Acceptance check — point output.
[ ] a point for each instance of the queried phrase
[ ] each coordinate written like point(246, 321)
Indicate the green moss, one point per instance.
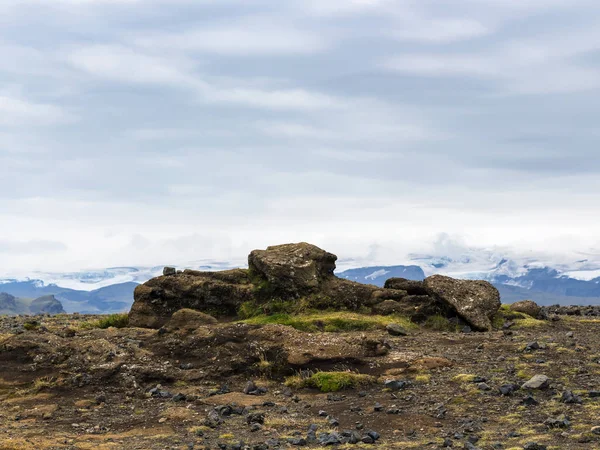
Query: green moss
point(331, 321)
point(464, 378)
point(330, 381)
point(31, 325)
point(114, 320)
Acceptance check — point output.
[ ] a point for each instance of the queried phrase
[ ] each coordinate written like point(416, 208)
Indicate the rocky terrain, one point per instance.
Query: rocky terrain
point(286, 355)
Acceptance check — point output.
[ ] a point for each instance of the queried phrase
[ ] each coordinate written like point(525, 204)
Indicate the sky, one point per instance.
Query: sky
point(153, 131)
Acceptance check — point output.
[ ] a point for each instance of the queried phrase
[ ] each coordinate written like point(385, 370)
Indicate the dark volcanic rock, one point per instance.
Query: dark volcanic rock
point(475, 301)
point(410, 286)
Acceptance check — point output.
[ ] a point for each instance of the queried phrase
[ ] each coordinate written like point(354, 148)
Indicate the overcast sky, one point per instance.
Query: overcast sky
point(154, 131)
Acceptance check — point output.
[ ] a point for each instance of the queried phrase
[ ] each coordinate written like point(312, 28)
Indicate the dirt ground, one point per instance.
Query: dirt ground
point(67, 387)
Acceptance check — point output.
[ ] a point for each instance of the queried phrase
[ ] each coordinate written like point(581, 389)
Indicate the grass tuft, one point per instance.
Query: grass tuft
point(439, 323)
point(330, 381)
point(464, 378)
point(114, 320)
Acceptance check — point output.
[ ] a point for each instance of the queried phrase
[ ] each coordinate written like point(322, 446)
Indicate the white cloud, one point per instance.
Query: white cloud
point(526, 66)
point(16, 111)
point(432, 30)
point(122, 64)
point(242, 38)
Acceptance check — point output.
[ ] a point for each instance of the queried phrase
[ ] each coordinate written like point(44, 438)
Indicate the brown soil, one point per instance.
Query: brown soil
point(63, 387)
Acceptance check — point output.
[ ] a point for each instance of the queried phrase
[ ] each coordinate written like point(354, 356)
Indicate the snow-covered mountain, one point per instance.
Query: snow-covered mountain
point(547, 279)
point(90, 280)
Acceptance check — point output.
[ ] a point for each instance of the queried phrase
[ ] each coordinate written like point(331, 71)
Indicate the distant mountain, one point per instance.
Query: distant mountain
point(573, 279)
point(11, 305)
point(109, 299)
point(378, 274)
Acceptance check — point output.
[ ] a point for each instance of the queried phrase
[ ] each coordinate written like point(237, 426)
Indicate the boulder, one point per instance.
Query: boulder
point(527, 307)
point(189, 319)
point(410, 286)
point(291, 270)
point(167, 271)
point(475, 301)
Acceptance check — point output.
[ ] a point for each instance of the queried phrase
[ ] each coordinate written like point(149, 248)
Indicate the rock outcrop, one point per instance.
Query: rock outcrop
point(475, 301)
point(301, 276)
point(215, 293)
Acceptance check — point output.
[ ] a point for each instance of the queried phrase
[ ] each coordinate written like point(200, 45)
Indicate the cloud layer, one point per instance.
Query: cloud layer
point(144, 131)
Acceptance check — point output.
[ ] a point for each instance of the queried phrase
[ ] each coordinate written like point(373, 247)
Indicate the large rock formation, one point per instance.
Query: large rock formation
point(475, 301)
point(300, 276)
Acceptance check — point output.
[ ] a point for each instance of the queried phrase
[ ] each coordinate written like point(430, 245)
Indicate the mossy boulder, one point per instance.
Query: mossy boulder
point(528, 307)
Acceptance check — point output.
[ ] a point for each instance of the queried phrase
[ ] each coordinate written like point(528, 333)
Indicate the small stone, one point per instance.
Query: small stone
point(395, 385)
point(531, 346)
point(570, 398)
point(537, 382)
point(534, 446)
point(595, 430)
point(508, 389)
point(529, 401)
point(179, 398)
point(378, 407)
point(396, 330)
point(570, 334)
point(561, 421)
point(484, 387)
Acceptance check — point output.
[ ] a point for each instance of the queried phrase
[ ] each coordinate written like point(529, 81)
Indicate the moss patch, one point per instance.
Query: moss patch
point(521, 320)
point(330, 381)
point(331, 321)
